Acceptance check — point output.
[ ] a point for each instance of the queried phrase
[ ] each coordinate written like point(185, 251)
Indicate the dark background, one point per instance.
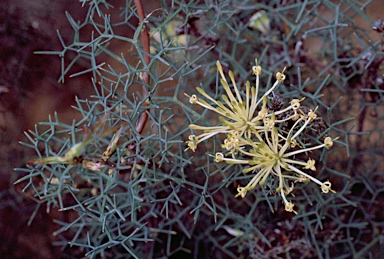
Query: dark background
point(29, 92)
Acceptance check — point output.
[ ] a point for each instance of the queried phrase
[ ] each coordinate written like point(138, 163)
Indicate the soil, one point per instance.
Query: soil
point(29, 92)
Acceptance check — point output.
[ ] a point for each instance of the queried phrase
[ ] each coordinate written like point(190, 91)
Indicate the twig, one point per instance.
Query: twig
point(146, 47)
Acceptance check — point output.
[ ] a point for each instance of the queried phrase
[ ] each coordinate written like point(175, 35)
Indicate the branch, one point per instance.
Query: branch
point(145, 40)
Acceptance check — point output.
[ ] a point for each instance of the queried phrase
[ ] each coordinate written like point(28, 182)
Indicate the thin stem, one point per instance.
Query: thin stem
point(146, 47)
point(144, 116)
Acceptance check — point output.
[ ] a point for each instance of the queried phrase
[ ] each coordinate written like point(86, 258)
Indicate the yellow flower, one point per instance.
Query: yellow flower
point(194, 140)
point(237, 113)
point(270, 155)
point(280, 76)
point(289, 207)
point(192, 143)
point(258, 138)
point(232, 142)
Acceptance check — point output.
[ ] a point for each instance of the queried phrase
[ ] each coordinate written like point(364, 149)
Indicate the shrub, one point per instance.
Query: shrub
point(127, 175)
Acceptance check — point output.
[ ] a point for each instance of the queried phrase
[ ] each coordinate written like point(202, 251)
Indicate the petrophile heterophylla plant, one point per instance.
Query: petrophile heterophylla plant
point(217, 129)
point(266, 141)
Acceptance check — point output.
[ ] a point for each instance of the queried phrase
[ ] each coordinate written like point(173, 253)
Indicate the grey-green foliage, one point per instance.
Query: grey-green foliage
point(153, 199)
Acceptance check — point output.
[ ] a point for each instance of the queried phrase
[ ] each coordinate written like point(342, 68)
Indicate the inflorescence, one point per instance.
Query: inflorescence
point(267, 141)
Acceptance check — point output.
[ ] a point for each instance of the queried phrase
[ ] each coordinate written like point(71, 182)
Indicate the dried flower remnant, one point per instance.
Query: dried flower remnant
point(260, 21)
point(74, 156)
point(112, 145)
point(378, 26)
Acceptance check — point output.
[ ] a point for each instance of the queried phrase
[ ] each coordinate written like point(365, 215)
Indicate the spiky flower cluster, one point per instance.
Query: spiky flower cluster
point(265, 140)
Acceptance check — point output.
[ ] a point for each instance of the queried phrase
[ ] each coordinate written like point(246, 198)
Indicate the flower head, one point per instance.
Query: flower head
point(272, 155)
point(265, 138)
point(238, 113)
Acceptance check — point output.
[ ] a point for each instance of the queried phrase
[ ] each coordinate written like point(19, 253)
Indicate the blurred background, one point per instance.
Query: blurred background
point(30, 92)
